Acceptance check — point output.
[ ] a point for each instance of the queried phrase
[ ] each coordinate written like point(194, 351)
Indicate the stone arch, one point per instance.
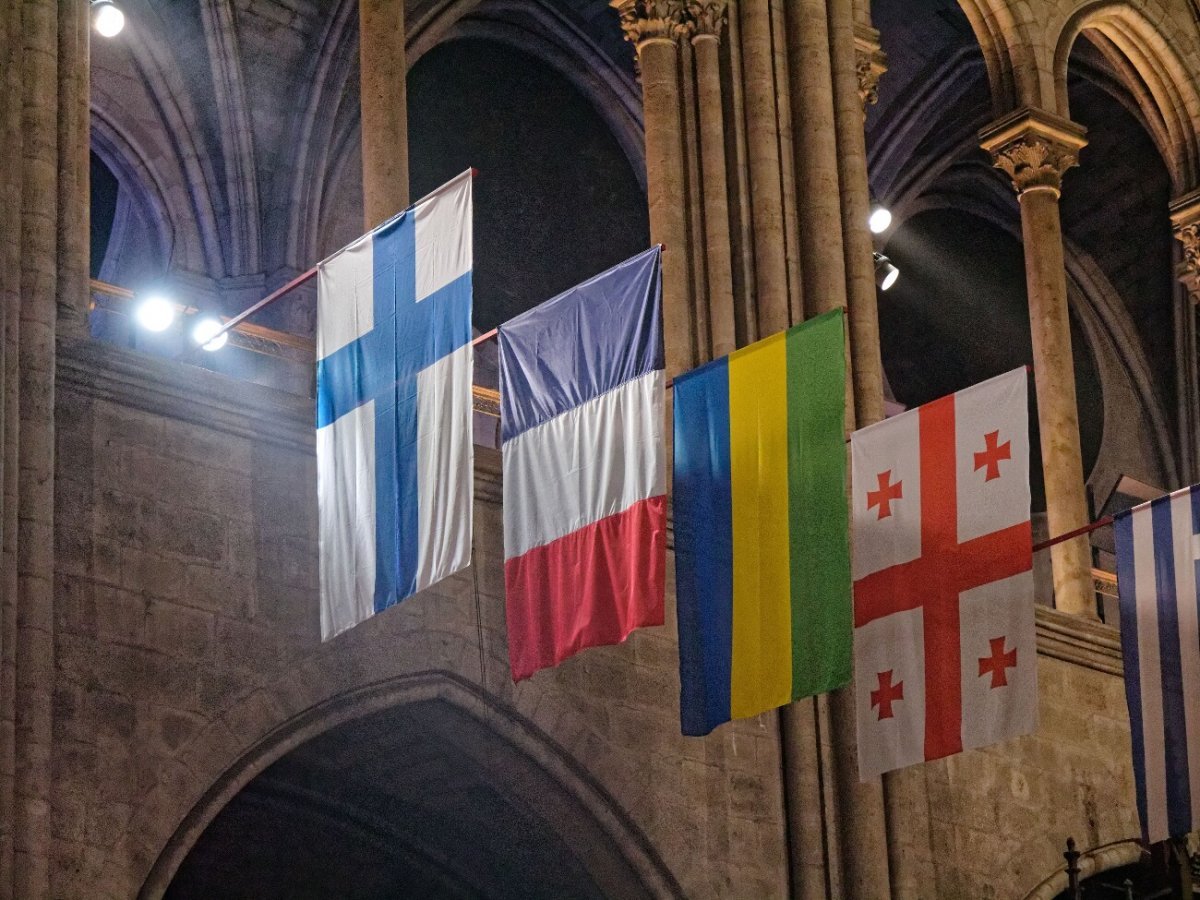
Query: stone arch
point(1091, 862)
point(1005, 31)
point(1152, 68)
point(140, 185)
point(1120, 359)
point(293, 712)
point(544, 32)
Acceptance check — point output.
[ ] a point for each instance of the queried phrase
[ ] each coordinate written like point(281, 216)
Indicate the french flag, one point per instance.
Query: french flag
point(394, 369)
point(581, 385)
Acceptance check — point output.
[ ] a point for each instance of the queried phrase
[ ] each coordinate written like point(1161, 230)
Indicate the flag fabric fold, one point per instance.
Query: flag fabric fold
point(944, 641)
point(1158, 570)
point(581, 387)
point(761, 533)
point(394, 372)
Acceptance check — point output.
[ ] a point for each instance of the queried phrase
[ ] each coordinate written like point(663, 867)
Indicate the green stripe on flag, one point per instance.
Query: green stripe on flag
point(818, 513)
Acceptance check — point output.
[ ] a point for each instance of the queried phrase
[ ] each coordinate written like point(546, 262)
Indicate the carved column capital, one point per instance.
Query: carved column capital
point(1185, 215)
point(707, 18)
point(653, 20)
point(1034, 148)
point(870, 62)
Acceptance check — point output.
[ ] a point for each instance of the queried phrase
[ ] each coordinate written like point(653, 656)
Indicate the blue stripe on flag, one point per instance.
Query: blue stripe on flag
point(409, 335)
point(1179, 803)
point(581, 344)
point(1127, 599)
point(703, 520)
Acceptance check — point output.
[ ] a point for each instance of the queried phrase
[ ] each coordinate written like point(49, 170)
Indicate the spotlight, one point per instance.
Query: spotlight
point(155, 314)
point(107, 18)
point(885, 273)
point(203, 331)
point(880, 218)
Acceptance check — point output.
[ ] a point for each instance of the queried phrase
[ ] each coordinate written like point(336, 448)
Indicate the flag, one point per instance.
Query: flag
point(1158, 548)
point(585, 520)
point(761, 544)
point(944, 644)
point(394, 367)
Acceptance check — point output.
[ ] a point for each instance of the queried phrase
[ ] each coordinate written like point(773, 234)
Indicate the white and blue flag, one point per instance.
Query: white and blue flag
point(394, 371)
point(1158, 548)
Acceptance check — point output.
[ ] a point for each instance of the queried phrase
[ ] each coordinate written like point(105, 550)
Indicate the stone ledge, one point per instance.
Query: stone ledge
point(1093, 645)
point(186, 393)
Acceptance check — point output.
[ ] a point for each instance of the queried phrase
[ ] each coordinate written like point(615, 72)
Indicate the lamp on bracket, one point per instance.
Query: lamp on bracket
point(107, 18)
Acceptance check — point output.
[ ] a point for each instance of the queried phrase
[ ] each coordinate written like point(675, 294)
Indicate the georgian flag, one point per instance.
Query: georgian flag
point(944, 643)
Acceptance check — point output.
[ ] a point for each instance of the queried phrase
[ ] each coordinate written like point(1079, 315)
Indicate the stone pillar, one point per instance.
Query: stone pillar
point(861, 817)
point(818, 191)
point(10, 291)
point(1185, 215)
point(74, 169)
point(384, 98)
point(707, 21)
point(35, 485)
point(654, 28)
point(762, 141)
point(1035, 148)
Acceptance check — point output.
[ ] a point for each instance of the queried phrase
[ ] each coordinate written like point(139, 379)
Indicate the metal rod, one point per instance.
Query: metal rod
point(265, 301)
point(1086, 529)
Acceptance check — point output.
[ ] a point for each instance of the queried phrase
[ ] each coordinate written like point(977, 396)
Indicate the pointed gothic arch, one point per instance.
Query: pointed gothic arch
point(1152, 67)
point(555, 786)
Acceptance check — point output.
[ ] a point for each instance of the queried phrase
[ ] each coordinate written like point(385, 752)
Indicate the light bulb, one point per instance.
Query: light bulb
point(107, 18)
point(880, 219)
point(155, 314)
point(203, 331)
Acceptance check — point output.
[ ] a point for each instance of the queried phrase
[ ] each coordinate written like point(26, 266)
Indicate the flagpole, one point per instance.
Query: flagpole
point(1086, 529)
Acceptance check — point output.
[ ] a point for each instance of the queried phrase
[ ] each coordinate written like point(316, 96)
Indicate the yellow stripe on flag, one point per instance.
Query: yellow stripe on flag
point(761, 676)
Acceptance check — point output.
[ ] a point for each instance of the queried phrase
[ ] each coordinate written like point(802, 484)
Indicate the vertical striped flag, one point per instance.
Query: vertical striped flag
point(762, 555)
point(394, 451)
point(585, 506)
point(1158, 552)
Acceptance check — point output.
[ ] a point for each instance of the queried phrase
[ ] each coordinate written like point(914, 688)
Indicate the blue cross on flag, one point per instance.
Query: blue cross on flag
point(394, 371)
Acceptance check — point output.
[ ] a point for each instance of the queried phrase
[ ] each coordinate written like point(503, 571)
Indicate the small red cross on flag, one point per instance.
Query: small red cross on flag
point(944, 652)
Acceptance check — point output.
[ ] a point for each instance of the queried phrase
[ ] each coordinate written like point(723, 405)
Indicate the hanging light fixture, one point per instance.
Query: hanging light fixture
point(155, 313)
point(880, 218)
point(107, 18)
point(203, 331)
point(885, 273)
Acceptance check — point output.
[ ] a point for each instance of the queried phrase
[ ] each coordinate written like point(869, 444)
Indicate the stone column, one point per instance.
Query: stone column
point(870, 63)
point(74, 169)
point(762, 141)
point(818, 191)
point(35, 484)
point(654, 28)
point(1185, 215)
point(1035, 148)
point(10, 291)
point(862, 820)
point(707, 21)
point(384, 98)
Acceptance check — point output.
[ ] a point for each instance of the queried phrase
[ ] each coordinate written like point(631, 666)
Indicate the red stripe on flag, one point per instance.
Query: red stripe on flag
point(587, 589)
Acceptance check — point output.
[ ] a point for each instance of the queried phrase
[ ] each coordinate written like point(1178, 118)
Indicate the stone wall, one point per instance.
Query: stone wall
point(187, 641)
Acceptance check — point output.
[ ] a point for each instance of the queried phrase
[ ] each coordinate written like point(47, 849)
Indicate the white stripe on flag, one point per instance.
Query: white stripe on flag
point(346, 296)
point(445, 467)
point(1151, 674)
point(1189, 629)
point(443, 236)
point(590, 462)
point(346, 511)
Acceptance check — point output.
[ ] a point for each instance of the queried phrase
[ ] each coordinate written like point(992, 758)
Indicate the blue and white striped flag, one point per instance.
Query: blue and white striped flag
point(1158, 544)
point(394, 369)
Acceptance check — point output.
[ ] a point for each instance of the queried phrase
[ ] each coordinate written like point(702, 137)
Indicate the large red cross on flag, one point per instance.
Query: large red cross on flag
point(944, 645)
